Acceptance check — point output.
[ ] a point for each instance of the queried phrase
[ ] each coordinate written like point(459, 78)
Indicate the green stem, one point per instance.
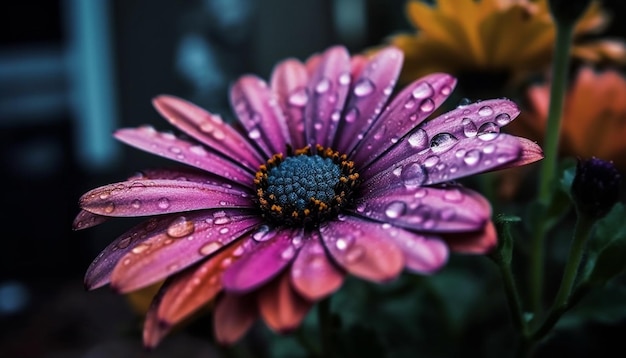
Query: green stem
point(325, 324)
point(562, 302)
point(512, 296)
point(560, 65)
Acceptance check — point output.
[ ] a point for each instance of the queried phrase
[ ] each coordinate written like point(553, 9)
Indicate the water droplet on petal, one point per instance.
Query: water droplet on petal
point(441, 142)
point(412, 175)
point(323, 85)
point(180, 227)
point(488, 131)
point(344, 242)
point(163, 203)
point(363, 87)
point(395, 209)
point(453, 195)
point(485, 111)
point(446, 90)
point(262, 233)
point(352, 115)
point(410, 103)
point(423, 90)
point(298, 98)
point(503, 119)
point(124, 243)
point(380, 132)
point(109, 208)
point(210, 248)
point(471, 157)
point(431, 161)
point(361, 207)
point(355, 254)
point(418, 139)
point(469, 128)
point(288, 253)
point(255, 134)
point(489, 148)
point(427, 105)
point(344, 79)
point(140, 248)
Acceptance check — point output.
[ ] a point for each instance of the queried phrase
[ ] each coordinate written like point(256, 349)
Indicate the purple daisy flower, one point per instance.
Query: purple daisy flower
point(323, 176)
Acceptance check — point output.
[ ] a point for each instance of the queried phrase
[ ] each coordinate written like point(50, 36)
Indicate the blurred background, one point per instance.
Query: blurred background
point(71, 72)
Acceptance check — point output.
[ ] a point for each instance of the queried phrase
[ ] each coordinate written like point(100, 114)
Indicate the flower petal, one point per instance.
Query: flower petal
point(183, 242)
point(234, 315)
point(264, 262)
point(423, 254)
point(184, 294)
point(209, 129)
point(280, 306)
point(160, 196)
point(363, 249)
point(433, 209)
point(289, 81)
point(477, 242)
point(328, 87)
point(480, 119)
point(531, 152)
point(313, 275)
point(257, 108)
point(407, 110)
point(460, 159)
point(368, 95)
point(168, 146)
point(84, 219)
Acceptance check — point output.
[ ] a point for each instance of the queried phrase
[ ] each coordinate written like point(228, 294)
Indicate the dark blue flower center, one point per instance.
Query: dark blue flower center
point(297, 180)
point(306, 187)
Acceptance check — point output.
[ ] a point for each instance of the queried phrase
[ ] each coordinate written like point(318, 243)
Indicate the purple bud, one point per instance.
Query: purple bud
point(595, 188)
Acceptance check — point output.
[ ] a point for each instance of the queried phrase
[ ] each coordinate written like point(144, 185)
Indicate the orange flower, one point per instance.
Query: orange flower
point(505, 36)
point(594, 118)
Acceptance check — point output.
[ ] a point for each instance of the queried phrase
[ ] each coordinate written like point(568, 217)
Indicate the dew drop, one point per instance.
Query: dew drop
point(488, 131)
point(471, 157)
point(485, 111)
point(163, 203)
point(344, 242)
point(344, 79)
point(224, 230)
point(490, 148)
point(355, 254)
point(453, 195)
point(423, 90)
point(380, 132)
point(109, 208)
point(441, 142)
point(222, 220)
point(410, 103)
point(288, 253)
point(180, 227)
point(363, 87)
point(464, 102)
point(446, 90)
point(104, 195)
point(298, 97)
point(255, 134)
point(124, 243)
point(140, 248)
point(418, 139)
point(210, 248)
point(447, 214)
point(352, 115)
point(427, 105)
point(262, 234)
point(395, 209)
point(412, 175)
point(431, 161)
point(503, 119)
point(322, 86)
point(469, 128)
point(361, 207)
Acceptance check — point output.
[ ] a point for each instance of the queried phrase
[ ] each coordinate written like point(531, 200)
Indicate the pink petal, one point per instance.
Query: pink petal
point(460, 159)
point(531, 152)
point(185, 241)
point(477, 242)
point(168, 146)
point(185, 294)
point(357, 245)
point(313, 275)
point(289, 81)
point(369, 93)
point(234, 315)
point(160, 196)
point(443, 209)
point(423, 254)
point(208, 129)
point(84, 219)
point(280, 306)
point(258, 110)
point(407, 110)
point(477, 120)
point(328, 88)
point(266, 260)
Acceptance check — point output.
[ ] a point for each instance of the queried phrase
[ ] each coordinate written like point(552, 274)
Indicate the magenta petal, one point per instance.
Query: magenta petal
point(363, 248)
point(460, 159)
point(258, 110)
point(263, 262)
point(84, 219)
point(531, 152)
point(328, 88)
point(183, 241)
point(368, 95)
point(480, 119)
point(444, 209)
point(160, 196)
point(313, 275)
point(407, 110)
point(168, 146)
point(289, 81)
point(423, 254)
point(208, 129)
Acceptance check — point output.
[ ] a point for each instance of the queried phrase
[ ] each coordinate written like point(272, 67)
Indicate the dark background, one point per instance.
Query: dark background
point(70, 73)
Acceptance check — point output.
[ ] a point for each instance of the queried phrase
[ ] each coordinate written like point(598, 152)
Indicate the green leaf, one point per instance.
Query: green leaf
point(604, 305)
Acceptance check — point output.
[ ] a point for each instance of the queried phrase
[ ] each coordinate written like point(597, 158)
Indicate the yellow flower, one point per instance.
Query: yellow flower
point(504, 36)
